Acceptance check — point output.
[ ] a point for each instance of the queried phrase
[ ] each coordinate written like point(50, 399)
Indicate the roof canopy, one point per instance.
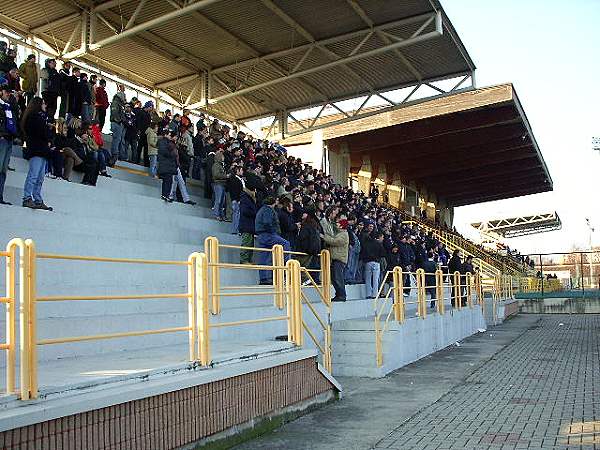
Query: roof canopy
point(471, 147)
point(243, 59)
point(522, 225)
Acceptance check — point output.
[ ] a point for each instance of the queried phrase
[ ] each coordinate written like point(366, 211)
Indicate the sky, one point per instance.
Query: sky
point(549, 50)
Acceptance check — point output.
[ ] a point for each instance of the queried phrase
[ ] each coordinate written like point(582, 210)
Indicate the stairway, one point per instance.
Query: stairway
point(124, 217)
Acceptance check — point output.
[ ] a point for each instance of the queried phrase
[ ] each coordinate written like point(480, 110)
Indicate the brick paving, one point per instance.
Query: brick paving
point(541, 391)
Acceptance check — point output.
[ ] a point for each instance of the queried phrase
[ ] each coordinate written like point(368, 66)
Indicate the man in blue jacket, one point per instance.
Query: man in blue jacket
point(268, 234)
point(246, 226)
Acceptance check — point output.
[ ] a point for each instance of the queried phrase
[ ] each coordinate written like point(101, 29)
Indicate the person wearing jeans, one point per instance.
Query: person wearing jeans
point(219, 179)
point(338, 248)
point(37, 136)
point(235, 186)
point(151, 138)
point(8, 130)
point(178, 181)
point(373, 252)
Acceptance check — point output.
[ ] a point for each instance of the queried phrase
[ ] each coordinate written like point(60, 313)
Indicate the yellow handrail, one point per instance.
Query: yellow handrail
point(472, 286)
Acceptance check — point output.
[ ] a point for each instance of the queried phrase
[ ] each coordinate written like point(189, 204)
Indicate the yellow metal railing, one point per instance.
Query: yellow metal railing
point(323, 290)
point(10, 302)
point(212, 247)
point(467, 286)
point(198, 325)
point(534, 285)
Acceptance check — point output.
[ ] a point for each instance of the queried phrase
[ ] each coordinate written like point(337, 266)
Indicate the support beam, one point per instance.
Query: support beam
point(144, 26)
point(321, 42)
point(55, 23)
point(309, 37)
point(346, 60)
point(177, 81)
point(384, 37)
point(72, 38)
point(135, 14)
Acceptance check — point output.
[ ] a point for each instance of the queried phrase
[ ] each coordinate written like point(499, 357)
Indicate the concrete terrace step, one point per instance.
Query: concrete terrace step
point(174, 228)
point(122, 179)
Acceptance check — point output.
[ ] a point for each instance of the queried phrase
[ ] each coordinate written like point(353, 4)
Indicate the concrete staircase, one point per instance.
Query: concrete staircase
point(124, 217)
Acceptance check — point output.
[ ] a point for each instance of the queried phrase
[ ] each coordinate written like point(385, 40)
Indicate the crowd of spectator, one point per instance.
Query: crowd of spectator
point(272, 198)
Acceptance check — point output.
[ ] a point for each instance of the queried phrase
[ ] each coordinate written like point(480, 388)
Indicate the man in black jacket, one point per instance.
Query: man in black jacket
point(407, 259)
point(50, 86)
point(235, 185)
point(143, 119)
point(455, 265)
point(429, 266)
point(289, 229)
point(373, 252)
point(8, 131)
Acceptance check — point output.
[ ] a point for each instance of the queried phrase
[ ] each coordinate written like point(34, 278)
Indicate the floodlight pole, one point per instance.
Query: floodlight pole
point(591, 230)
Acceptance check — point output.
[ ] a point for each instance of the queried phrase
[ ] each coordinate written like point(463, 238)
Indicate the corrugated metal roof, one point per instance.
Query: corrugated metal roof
point(231, 32)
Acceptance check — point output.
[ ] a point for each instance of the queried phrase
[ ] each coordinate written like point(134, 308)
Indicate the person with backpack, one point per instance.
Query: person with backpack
point(34, 125)
point(8, 131)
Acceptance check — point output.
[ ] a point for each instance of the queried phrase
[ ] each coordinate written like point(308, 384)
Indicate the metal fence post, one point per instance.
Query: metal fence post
point(278, 262)
point(398, 295)
point(202, 313)
point(421, 296)
point(457, 290)
point(211, 247)
point(11, 311)
point(32, 322)
point(326, 275)
point(192, 294)
point(469, 289)
point(439, 291)
point(296, 302)
point(290, 304)
point(24, 309)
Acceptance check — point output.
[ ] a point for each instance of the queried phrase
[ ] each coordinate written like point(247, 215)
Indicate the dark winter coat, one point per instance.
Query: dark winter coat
point(37, 135)
point(167, 157)
point(247, 213)
point(309, 240)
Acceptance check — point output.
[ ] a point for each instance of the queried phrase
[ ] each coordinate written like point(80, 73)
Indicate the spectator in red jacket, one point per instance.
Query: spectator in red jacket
point(101, 103)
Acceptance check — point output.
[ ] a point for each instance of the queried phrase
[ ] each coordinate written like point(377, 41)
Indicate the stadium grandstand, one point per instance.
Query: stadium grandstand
point(188, 269)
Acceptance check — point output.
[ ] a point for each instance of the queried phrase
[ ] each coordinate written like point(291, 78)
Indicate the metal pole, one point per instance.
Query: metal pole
point(582, 279)
point(192, 299)
point(32, 325)
point(202, 314)
point(542, 274)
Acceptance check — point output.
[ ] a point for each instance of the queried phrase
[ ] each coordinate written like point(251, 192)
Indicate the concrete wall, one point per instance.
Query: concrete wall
point(354, 341)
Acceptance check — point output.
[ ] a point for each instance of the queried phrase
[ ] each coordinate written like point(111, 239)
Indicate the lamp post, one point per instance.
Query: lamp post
point(591, 230)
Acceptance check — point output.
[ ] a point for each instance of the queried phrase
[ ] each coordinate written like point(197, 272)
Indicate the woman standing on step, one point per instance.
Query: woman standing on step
point(37, 132)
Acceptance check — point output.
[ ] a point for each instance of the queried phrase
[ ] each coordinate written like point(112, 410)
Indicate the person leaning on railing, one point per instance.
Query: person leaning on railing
point(338, 248)
point(268, 234)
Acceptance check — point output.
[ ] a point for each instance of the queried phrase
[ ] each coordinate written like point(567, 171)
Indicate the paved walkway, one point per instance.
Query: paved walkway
point(533, 382)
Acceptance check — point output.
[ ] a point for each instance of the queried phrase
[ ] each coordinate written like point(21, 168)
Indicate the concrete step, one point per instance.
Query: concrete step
point(122, 180)
point(123, 171)
point(175, 228)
